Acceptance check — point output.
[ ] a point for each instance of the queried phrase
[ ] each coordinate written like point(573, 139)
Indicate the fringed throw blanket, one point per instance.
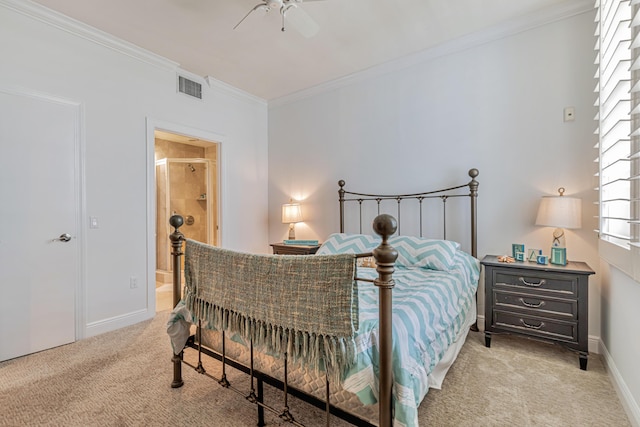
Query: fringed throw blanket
point(306, 306)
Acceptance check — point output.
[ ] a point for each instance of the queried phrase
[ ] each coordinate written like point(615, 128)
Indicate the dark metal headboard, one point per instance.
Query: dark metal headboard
point(442, 194)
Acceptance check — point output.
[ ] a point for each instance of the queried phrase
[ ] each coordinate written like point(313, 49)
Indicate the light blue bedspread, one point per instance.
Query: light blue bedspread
point(429, 309)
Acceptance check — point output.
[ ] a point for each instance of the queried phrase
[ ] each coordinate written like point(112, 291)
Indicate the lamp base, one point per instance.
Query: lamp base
point(559, 240)
point(292, 231)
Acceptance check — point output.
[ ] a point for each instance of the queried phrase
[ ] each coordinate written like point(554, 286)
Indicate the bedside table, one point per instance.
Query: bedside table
point(548, 302)
point(282, 249)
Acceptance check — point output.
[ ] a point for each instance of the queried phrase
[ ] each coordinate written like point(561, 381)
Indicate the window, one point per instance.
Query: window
point(618, 59)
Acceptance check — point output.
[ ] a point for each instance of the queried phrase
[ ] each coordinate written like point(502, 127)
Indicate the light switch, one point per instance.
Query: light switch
point(93, 222)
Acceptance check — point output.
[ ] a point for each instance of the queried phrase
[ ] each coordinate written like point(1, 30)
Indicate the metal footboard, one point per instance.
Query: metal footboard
point(385, 256)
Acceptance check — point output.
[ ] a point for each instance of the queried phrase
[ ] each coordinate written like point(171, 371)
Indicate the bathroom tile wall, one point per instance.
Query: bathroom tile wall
point(188, 192)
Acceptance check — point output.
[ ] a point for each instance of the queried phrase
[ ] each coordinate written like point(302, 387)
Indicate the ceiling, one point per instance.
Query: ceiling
point(260, 59)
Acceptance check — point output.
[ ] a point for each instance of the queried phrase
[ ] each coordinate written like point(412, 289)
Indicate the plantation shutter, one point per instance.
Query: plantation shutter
point(614, 86)
point(618, 88)
point(634, 155)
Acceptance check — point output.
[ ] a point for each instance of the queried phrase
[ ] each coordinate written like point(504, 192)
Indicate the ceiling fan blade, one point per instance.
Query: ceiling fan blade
point(301, 21)
point(262, 6)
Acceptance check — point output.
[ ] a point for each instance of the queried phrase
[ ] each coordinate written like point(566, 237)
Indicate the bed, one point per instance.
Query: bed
point(380, 373)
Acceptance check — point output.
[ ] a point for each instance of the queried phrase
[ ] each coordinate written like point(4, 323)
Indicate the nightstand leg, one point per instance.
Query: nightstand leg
point(487, 339)
point(583, 360)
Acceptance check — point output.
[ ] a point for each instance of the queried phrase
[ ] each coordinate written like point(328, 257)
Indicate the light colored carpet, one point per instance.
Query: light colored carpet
point(164, 297)
point(122, 378)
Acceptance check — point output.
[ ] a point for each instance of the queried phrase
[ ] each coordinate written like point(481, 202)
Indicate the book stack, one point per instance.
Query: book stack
point(301, 242)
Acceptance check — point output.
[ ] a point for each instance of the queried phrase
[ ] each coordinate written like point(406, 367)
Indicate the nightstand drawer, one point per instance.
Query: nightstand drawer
point(536, 326)
point(565, 285)
point(537, 305)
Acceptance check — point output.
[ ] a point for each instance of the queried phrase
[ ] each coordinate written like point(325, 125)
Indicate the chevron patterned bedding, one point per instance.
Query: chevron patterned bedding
point(435, 284)
point(412, 251)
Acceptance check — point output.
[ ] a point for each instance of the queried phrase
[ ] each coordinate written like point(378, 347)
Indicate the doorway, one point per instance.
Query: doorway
point(187, 184)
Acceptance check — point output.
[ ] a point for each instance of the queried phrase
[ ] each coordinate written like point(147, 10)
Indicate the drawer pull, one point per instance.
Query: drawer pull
point(535, 285)
point(540, 304)
point(526, 325)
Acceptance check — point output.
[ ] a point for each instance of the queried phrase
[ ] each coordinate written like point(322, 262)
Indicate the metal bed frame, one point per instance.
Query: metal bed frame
point(384, 225)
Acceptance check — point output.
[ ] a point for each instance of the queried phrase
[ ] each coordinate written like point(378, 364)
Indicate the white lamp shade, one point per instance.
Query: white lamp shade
point(291, 213)
point(560, 212)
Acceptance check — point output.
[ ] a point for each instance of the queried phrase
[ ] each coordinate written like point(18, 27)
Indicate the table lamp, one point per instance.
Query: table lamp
point(560, 212)
point(291, 214)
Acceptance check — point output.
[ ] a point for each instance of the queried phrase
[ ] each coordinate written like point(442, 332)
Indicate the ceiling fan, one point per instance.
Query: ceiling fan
point(300, 20)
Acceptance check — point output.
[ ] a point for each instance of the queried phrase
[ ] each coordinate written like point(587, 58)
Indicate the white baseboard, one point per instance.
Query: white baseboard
point(594, 344)
point(481, 322)
point(113, 323)
point(624, 394)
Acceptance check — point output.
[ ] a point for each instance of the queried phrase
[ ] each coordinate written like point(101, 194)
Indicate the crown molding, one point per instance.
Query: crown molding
point(55, 19)
point(214, 83)
point(546, 16)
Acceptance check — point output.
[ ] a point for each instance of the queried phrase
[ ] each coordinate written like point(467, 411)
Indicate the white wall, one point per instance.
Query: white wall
point(119, 92)
point(620, 335)
point(497, 106)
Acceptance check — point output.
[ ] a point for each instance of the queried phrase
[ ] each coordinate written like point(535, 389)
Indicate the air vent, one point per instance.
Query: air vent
point(189, 87)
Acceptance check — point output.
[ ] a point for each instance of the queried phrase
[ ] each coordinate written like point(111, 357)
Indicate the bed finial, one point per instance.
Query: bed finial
point(176, 221)
point(385, 225)
point(473, 184)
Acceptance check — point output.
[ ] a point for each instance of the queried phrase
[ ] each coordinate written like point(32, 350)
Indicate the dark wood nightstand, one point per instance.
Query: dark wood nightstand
point(282, 249)
point(548, 302)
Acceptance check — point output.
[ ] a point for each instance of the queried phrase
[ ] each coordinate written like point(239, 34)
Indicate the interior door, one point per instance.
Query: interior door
point(38, 223)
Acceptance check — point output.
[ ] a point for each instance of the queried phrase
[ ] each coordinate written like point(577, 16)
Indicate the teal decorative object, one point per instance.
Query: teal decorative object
point(558, 256)
point(515, 248)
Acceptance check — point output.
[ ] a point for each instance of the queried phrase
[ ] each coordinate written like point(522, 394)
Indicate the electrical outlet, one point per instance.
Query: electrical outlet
point(133, 282)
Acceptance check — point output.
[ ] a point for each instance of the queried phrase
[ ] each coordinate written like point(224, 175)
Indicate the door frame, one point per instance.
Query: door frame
point(79, 206)
point(152, 125)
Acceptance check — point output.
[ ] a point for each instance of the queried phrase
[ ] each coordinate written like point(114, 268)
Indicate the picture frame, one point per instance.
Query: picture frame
point(558, 256)
point(515, 248)
point(532, 254)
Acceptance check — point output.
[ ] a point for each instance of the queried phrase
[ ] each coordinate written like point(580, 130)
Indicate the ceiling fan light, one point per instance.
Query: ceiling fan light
point(274, 4)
